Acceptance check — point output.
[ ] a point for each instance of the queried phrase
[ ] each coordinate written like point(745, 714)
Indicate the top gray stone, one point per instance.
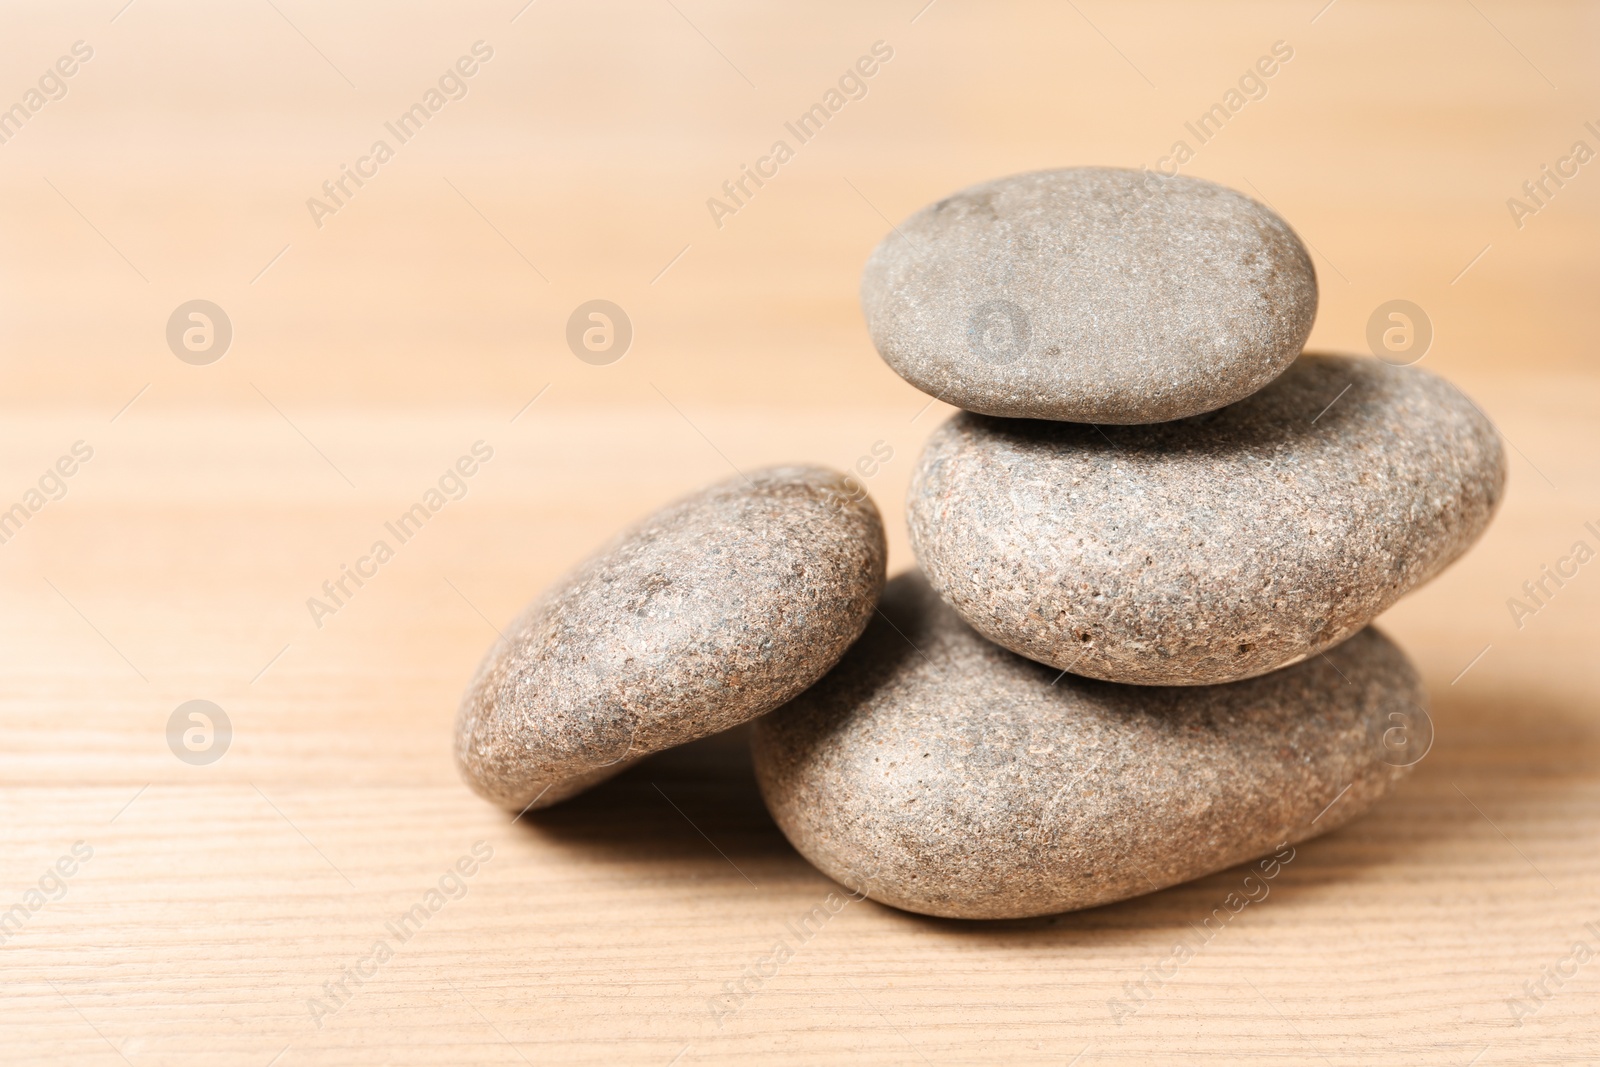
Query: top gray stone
point(1091, 294)
point(712, 611)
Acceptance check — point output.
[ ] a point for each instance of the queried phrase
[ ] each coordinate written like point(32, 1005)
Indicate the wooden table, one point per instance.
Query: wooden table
point(213, 909)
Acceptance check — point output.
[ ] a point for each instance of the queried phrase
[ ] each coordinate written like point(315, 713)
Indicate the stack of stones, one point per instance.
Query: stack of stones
point(1137, 649)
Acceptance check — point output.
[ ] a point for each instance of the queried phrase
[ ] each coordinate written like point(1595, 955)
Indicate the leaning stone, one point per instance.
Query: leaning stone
point(708, 613)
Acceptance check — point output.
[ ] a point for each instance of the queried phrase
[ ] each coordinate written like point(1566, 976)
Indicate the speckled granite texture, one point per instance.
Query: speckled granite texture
point(708, 613)
point(1090, 294)
point(1213, 548)
point(939, 773)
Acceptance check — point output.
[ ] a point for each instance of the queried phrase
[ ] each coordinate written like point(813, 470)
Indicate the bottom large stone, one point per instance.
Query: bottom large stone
point(939, 773)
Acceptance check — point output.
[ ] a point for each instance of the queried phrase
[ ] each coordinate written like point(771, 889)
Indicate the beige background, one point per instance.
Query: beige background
point(429, 310)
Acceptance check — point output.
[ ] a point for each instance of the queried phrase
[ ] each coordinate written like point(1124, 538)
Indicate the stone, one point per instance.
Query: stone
point(1091, 294)
point(706, 614)
point(939, 773)
point(1212, 548)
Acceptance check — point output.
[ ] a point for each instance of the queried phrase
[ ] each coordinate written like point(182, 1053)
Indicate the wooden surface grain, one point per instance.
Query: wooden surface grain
point(221, 904)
